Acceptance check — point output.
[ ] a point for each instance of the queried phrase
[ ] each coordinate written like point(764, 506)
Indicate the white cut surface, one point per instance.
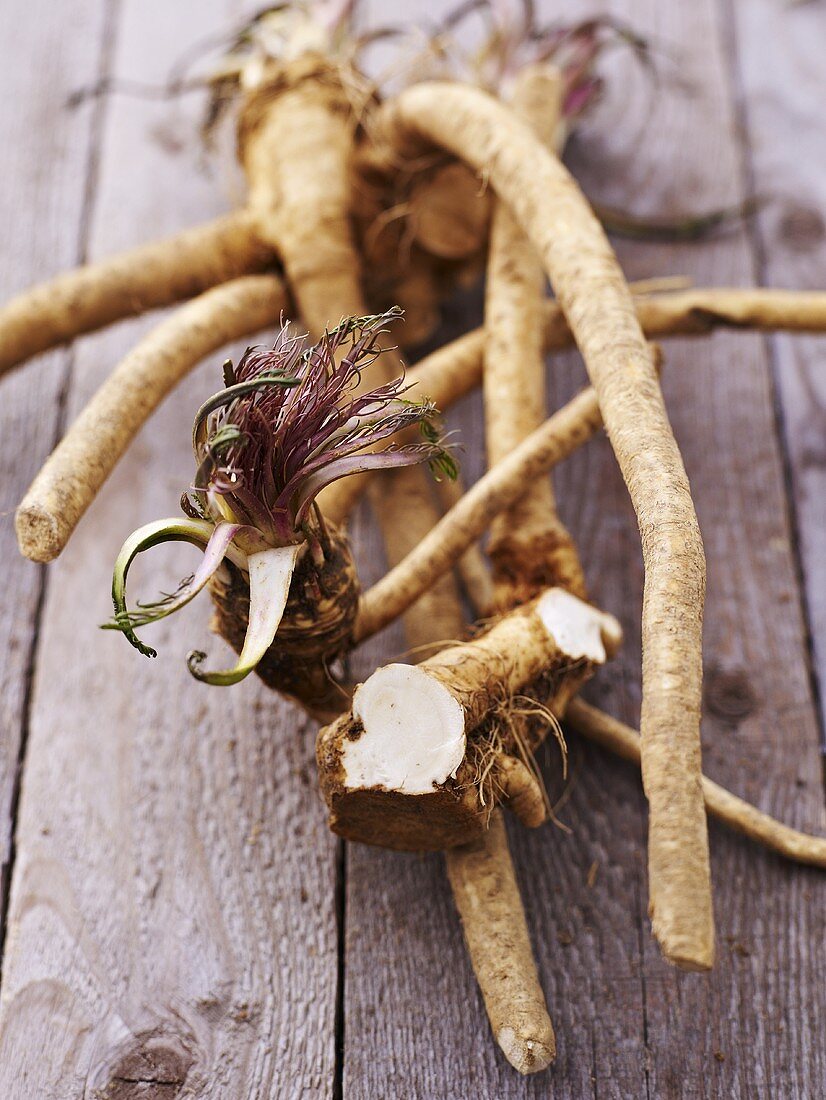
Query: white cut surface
point(577, 628)
point(414, 732)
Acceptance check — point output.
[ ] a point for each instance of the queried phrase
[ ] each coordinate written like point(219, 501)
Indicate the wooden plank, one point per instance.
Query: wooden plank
point(628, 1025)
point(779, 80)
point(45, 168)
point(172, 925)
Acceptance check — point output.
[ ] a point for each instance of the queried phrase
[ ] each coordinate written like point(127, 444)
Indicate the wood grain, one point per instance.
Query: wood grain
point(172, 926)
point(46, 167)
point(777, 75)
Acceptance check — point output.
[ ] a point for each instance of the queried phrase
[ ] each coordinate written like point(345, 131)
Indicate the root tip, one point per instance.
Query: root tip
point(524, 1054)
point(38, 533)
point(686, 952)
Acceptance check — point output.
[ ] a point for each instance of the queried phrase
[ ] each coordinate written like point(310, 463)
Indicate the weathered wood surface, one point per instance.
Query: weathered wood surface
point(173, 911)
point(777, 75)
point(42, 199)
point(172, 916)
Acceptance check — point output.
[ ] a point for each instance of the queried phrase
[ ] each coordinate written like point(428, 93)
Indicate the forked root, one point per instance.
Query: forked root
point(128, 284)
point(90, 450)
point(399, 769)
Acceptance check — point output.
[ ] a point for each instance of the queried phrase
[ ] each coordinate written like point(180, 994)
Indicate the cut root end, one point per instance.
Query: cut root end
point(39, 533)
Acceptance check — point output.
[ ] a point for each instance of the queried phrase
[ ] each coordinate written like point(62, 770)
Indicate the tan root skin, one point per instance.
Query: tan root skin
point(499, 488)
point(405, 512)
point(481, 875)
point(84, 459)
point(592, 291)
point(421, 796)
point(450, 212)
point(529, 545)
point(296, 137)
point(130, 283)
point(487, 897)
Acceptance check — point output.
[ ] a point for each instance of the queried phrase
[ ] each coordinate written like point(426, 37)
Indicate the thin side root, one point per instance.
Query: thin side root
point(500, 487)
point(726, 807)
point(81, 463)
point(128, 284)
point(454, 370)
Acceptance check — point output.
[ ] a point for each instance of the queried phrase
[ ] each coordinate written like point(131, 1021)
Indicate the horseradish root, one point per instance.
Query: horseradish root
point(405, 511)
point(73, 475)
point(455, 369)
point(481, 874)
point(529, 546)
point(130, 283)
point(398, 771)
point(484, 888)
point(497, 490)
point(296, 137)
point(735, 812)
point(595, 298)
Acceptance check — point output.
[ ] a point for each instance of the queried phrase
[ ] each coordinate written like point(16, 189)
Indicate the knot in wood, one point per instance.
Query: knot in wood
point(729, 694)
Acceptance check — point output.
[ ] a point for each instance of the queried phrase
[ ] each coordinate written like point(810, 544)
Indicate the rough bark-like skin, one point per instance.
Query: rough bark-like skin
point(530, 547)
point(592, 291)
point(726, 807)
point(515, 655)
point(496, 490)
point(493, 920)
point(130, 283)
point(314, 632)
point(388, 819)
point(90, 450)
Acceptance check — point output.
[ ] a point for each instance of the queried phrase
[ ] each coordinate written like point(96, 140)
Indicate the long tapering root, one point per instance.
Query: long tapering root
point(81, 463)
point(130, 283)
point(591, 288)
point(493, 921)
point(530, 548)
point(481, 874)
